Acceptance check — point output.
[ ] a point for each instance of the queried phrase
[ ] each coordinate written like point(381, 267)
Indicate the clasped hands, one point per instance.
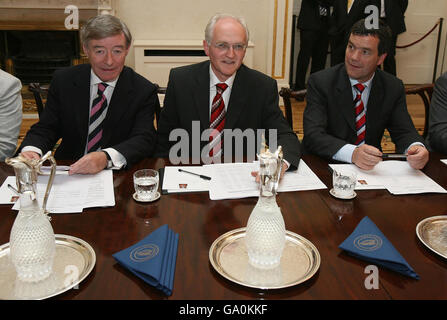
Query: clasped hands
point(91, 163)
point(367, 156)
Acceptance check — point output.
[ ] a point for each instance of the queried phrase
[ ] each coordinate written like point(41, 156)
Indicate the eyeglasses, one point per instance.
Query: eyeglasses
point(223, 46)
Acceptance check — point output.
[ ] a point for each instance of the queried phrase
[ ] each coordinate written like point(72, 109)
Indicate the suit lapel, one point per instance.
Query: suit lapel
point(201, 94)
point(344, 99)
point(237, 98)
point(81, 96)
point(117, 104)
point(375, 104)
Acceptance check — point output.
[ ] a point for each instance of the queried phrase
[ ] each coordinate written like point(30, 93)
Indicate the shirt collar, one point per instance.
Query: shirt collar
point(214, 80)
point(367, 84)
point(94, 80)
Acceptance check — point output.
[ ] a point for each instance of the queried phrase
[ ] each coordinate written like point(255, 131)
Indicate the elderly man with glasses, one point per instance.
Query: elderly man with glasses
point(207, 100)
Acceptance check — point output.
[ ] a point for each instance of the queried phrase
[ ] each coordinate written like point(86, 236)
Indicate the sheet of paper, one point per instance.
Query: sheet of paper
point(366, 179)
point(399, 178)
point(444, 161)
point(100, 192)
point(234, 180)
point(300, 180)
point(395, 176)
point(175, 181)
point(71, 194)
point(7, 196)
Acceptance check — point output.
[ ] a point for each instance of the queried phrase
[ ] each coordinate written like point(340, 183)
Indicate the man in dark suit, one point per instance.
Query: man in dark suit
point(350, 105)
point(344, 14)
point(313, 22)
point(393, 11)
point(103, 111)
point(248, 100)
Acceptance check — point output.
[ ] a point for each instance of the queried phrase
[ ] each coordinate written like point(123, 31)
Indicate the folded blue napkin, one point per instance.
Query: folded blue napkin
point(153, 258)
point(368, 243)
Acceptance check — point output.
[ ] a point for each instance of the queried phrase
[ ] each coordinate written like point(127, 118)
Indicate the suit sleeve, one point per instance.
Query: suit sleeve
point(400, 125)
point(317, 140)
point(274, 119)
point(437, 131)
point(141, 141)
point(46, 132)
point(10, 117)
point(168, 119)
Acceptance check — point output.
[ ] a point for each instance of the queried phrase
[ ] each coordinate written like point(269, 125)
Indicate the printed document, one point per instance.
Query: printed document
point(396, 176)
point(69, 194)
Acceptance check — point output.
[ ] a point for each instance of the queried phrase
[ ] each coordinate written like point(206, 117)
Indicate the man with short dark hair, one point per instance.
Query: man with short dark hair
point(351, 104)
point(103, 111)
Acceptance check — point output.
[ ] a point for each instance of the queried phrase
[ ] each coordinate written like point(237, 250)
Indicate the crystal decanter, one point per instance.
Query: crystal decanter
point(32, 241)
point(265, 233)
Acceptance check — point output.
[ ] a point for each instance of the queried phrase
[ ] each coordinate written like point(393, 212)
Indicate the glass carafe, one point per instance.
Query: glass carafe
point(265, 233)
point(32, 241)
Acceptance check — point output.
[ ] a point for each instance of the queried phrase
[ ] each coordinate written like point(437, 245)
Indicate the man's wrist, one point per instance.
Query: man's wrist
point(109, 160)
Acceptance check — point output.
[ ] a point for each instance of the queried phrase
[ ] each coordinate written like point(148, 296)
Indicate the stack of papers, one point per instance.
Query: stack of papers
point(234, 180)
point(395, 176)
point(69, 194)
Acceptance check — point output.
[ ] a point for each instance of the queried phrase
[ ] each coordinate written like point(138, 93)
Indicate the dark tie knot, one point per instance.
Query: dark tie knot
point(221, 87)
point(101, 87)
point(359, 87)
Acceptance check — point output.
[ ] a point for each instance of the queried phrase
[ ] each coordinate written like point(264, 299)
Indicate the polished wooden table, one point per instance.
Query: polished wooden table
point(315, 215)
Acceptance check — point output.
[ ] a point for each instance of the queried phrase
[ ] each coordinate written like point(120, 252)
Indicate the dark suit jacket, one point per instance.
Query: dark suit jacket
point(394, 12)
point(329, 116)
point(309, 17)
point(128, 126)
point(341, 21)
point(253, 104)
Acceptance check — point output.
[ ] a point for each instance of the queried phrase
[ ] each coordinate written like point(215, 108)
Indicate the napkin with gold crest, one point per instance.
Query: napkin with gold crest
point(368, 243)
point(153, 258)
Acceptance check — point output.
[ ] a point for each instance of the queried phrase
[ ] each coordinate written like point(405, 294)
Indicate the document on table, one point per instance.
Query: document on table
point(175, 181)
point(365, 178)
point(69, 194)
point(444, 161)
point(397, 177)
point(234, 180)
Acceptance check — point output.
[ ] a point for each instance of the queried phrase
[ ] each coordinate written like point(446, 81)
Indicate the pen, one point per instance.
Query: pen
point(13, 189)
point(196, 174)
point(393, 156)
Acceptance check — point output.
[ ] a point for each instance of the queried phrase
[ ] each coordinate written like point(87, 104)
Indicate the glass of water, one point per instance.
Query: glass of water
point(146, 184)
point(344, 183)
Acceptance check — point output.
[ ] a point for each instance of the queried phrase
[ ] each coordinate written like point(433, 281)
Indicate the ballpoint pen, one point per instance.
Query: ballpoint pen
point(13, 189)
point(196, 174)
point(393, 156)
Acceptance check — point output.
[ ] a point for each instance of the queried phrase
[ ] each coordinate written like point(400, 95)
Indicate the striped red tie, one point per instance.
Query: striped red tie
point(97, 115)
point(217, 121)
point(360, 115)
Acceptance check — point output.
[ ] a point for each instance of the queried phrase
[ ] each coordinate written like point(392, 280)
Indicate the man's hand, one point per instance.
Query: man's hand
point(91, 163)
point(30, 155)
point(417, 156)
point(366, 157)
point(258, 178)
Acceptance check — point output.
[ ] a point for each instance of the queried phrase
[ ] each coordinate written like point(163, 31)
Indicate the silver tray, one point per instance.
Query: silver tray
point(433, 234)
point(299, 262)
point(73, 262)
